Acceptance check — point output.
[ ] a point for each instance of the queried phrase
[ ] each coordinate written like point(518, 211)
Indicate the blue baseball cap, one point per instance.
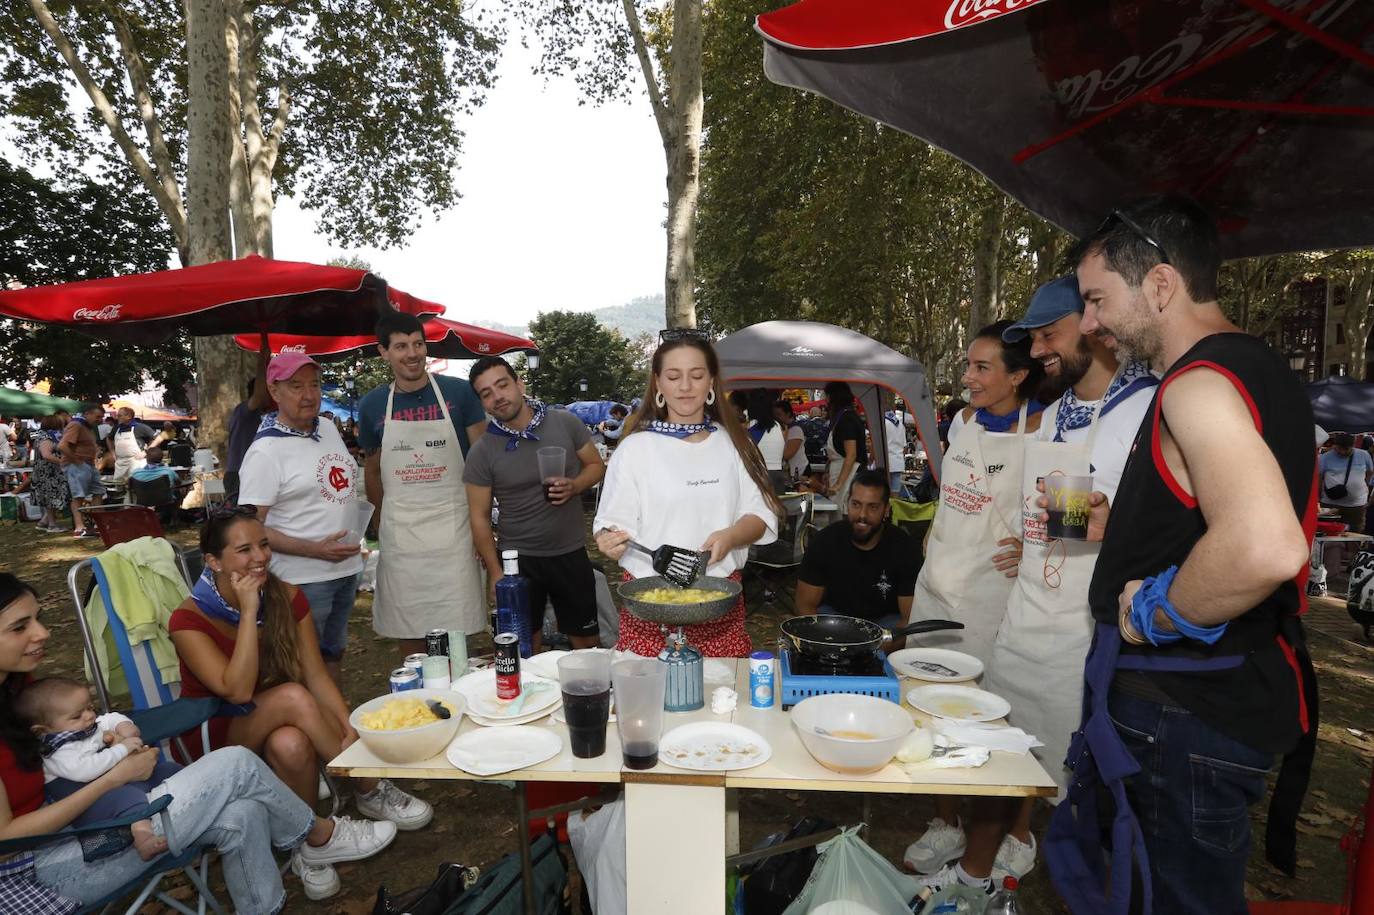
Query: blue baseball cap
point(1050, 302)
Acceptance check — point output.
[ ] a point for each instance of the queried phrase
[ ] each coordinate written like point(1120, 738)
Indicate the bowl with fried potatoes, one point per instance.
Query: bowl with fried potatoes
point(402, 727)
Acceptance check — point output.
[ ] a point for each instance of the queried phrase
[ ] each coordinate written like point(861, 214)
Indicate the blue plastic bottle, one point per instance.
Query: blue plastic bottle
point(513, 602)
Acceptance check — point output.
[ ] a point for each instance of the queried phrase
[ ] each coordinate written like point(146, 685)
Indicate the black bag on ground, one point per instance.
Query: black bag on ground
point(447, 888)
point(774, 882)
point(498, 891)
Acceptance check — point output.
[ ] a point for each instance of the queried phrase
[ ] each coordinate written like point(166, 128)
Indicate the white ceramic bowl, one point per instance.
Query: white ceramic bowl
point(410, 745)
point(862, 733)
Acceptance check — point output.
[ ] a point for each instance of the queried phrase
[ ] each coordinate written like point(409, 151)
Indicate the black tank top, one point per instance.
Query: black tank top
point(1154, 524)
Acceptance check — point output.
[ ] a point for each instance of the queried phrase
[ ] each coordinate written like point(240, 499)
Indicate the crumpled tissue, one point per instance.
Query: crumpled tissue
point(991, 736)
point(723, 700)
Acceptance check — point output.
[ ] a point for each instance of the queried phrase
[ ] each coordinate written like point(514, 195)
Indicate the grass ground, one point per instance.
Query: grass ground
point(475, 823)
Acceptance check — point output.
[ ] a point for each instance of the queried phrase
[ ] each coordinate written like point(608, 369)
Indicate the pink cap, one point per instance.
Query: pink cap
point(285, 365)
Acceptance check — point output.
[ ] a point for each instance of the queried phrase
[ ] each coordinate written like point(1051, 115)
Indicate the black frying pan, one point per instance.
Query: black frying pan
point(847, 636)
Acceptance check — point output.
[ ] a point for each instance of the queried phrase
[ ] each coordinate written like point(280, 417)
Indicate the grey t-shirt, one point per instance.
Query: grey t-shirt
point(528, 523)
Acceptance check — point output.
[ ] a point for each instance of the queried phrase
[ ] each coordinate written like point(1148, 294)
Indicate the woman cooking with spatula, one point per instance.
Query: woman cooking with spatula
point(686, 474)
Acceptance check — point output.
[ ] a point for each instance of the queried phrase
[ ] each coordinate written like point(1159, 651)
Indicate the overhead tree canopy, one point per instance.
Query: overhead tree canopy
point(574, 347)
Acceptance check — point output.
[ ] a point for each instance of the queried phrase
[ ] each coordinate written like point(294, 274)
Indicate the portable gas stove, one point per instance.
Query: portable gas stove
point(800, 677)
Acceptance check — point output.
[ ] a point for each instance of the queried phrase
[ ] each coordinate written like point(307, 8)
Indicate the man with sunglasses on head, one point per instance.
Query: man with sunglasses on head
point(1198, 675)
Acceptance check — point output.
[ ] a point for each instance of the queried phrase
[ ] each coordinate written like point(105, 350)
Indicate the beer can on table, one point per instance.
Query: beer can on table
point(507, 665)
point(457, 654)
point(416, 662)
point(436, 642)
point(761, 666)
point(403, 678)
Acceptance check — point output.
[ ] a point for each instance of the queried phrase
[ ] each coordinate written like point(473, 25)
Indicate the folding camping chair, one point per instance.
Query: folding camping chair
point(787, 551)
point(122, 523)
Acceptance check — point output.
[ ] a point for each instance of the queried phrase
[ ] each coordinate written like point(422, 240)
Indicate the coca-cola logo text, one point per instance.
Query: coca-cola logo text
point(293, 348)
point(962, 12)
point(108, 313)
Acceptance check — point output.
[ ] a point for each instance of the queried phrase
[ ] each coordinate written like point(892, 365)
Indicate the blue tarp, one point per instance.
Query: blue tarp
point(1342, 404)
point(592, 412)
point(339, 408)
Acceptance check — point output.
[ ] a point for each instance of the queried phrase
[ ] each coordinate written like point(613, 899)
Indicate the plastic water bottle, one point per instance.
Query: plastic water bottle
point(513, 602)
point(1003, 902)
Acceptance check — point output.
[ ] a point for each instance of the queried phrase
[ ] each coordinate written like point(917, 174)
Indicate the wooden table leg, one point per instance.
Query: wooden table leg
point(674, 848)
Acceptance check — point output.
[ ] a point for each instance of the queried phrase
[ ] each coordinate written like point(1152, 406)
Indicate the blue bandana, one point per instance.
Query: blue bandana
point(994, 423)
point(51, 742)
point(1074, 414)
point(527, 433)
point(272, 427)
point(678, 430)
point(212, 603)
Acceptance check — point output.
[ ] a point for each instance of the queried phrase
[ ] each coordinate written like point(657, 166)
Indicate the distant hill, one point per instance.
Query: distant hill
point(642, 315)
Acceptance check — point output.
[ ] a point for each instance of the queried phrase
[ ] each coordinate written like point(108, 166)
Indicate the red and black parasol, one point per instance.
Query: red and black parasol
point(444, 339)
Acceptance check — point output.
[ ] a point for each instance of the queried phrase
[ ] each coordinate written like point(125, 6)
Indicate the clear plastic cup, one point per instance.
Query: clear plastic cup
point(640, 685)
point(1070, 498)
point(585, 677)
point(360, 521)
point(552, 466)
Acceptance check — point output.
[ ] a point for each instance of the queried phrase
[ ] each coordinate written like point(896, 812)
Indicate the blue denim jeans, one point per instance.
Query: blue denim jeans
point(227, 799)
point(331, 604)
point(1193, 797)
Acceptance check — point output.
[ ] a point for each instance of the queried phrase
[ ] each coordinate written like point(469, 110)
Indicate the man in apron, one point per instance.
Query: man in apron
point(1198, 675)
point(1037, 657)
point(416, 432)
point(130, 440)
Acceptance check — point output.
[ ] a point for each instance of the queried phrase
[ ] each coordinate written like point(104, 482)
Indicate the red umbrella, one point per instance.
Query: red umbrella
point(444, 339)
point(250, 295)
point(1261, 109)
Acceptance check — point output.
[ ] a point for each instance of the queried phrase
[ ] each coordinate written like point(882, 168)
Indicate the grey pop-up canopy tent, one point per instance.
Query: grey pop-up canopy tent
point(808, 354)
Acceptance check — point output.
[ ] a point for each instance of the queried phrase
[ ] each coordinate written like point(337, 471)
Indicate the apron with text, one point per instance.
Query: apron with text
point(128, 455)
point(428, 576)
point(1037, 658)
point(980, 504)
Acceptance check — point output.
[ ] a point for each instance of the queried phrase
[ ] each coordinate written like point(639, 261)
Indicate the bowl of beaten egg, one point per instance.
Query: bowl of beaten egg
point(402, 728)
point(851, 734)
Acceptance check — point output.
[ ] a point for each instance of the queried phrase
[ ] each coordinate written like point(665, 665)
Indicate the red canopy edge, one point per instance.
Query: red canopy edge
point(478, 341)
point(831, 25)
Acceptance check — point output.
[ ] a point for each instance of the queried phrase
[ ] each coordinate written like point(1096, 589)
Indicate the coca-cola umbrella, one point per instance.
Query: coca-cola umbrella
point(251, 295)
point(1261, 109)
point(444, 339)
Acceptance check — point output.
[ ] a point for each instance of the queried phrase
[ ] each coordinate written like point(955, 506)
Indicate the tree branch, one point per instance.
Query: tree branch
point(169, 201)
point(661, 114)
point(278, 125)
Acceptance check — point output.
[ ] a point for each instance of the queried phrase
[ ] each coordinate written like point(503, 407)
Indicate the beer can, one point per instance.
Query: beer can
point(507, 665)
point(415, 662)
point(457, 654)
point(404, 678)
point(436, 642)
point(761, 666)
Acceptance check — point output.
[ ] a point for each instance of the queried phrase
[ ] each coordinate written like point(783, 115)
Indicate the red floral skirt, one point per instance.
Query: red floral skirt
point(722, 638)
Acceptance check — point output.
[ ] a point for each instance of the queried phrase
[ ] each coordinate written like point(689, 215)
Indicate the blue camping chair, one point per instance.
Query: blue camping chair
point(158, 726)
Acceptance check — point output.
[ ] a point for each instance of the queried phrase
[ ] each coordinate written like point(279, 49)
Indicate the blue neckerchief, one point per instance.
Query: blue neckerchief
point(527, 433)
point(212, 603)
point(1074, 414)
point(272, 427)
point(994, 423)
point(82, 420)
point(678, 430)
point(51, 742)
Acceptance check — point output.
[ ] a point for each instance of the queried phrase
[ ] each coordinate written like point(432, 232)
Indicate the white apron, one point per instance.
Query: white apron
point(980, 504)
point(428, 576)
point(128, 455)
point(839, 489)
point(1037, 658)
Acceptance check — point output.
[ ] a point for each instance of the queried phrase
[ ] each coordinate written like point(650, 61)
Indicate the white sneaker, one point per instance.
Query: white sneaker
point(323, 791)
point(953, 873)
point(1014, 859)
point(353, 840)
point(320, 881)
point(391, 804)
point(940, 844)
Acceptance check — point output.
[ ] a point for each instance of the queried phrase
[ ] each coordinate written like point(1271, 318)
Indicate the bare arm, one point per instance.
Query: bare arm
point(260, 398)
point(790, 447)
point(808, 598)
point(59, 815)
point(315, 677)
point(48, 451)
point(234, 679)
point(334, 548)
point(475, 432)
point(593, 468)
point(479, 519)
point(67, 444)
point(1254, 541)
point(372, 482)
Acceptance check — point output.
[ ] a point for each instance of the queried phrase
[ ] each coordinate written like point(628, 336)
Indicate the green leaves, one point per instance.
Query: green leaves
point(574, 347)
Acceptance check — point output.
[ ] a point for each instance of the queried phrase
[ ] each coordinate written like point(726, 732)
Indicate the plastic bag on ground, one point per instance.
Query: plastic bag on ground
point(852, 879)
point(598, 844)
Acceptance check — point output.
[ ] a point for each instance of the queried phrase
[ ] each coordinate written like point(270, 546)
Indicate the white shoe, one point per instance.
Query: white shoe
point(1014, 859)
point(324, 792)
point(940, 844)
point(391, 804)
point(353, 840)
point(320, 881)
point(953, 873)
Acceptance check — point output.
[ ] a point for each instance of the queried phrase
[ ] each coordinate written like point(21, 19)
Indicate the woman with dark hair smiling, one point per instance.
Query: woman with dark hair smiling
point(227, 799)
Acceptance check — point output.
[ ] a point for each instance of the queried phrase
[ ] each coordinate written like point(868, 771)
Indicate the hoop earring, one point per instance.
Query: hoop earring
point(711, 396)
point(659, 400)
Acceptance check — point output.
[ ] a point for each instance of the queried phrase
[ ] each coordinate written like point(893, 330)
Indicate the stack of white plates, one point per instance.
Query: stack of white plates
point(538, 698)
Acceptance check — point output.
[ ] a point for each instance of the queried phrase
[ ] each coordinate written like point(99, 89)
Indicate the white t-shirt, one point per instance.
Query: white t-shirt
point(312, 490)
point(1115, 434)
point(771, 445)
point(664, 490)
point(799, 463)
point(896, 445)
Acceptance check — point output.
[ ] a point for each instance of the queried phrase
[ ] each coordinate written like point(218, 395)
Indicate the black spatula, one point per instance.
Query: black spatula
point(676, 564)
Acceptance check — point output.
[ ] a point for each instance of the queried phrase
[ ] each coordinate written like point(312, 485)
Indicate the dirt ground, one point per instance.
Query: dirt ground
point(475, 823)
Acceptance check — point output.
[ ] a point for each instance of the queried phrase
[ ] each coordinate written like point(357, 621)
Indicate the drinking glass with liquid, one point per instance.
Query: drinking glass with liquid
point(586, 682)
point(552, 467)
point(640, 685)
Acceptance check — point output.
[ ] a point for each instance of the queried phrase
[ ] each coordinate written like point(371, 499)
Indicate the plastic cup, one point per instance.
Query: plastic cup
point(586, 681)
point(360, 521)
point(640, 685)
point(552, 466)
point(1069, 500)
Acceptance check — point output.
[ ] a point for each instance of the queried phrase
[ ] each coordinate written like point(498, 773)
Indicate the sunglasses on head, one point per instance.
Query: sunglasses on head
point(674, 334)
point(225, 512)
point(1118, 216)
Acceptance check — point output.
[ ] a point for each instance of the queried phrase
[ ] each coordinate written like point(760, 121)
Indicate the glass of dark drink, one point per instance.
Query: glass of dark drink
point(552, 467)
point(1070, 498)
point(640, 685)
point(586, 680)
